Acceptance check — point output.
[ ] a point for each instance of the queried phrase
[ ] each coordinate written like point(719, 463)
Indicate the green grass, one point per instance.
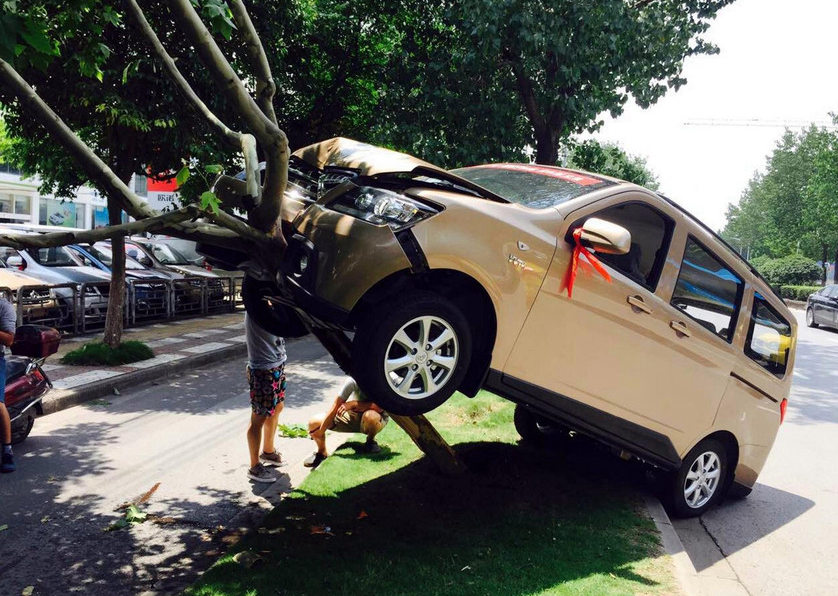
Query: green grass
point(521, 521)
point(97, 353)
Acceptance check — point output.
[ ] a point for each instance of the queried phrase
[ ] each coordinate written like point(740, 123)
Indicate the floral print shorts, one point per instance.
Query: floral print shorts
point(267, 388)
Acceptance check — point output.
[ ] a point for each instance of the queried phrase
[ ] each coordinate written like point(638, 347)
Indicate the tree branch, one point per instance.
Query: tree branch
point(232, 137)
point(98, 172)
point(525, 90)
point(265, 85)
point(267, 133)
point(246, 143)
point(150, 224)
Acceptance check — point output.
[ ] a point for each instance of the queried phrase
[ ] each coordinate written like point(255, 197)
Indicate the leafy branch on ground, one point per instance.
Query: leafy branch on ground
point(99, 354)
point(293, 431)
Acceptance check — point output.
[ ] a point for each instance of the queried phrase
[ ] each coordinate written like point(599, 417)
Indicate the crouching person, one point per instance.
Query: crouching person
point(349, 414)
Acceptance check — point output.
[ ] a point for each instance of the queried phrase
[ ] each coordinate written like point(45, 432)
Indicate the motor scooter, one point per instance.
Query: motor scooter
point(26, 381)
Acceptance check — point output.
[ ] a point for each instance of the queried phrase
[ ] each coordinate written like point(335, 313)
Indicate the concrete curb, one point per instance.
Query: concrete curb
point(61, 399)
point(685, 572)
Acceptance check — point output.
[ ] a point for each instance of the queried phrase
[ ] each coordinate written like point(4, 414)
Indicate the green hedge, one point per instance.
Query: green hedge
point(798, 292)
point(789, 270)
point(97, 353)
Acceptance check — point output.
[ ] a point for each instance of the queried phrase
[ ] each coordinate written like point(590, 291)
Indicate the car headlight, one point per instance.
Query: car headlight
point(379, 206)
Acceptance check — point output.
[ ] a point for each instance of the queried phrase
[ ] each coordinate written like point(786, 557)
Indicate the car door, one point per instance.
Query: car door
point(637, 365)
point(829, 306)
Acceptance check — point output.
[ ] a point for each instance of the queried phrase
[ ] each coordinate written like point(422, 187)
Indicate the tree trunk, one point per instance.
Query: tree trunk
point(547, 147)
point(116, 297)
point(431, 443)
point(823, 263)
point(835, 267)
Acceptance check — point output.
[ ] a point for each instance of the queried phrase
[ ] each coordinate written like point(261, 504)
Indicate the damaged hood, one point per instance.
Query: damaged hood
point(367, 159)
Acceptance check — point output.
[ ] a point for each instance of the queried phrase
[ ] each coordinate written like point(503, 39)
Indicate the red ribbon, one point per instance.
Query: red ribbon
point(570, 276)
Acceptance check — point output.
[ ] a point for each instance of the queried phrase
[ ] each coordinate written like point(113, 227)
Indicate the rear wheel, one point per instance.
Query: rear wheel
point(410, 355)
point(810, 318)
point(697, 485)
point(22, 428)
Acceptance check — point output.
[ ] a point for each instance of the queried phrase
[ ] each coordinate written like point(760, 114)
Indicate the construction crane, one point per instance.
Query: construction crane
point(759, 122)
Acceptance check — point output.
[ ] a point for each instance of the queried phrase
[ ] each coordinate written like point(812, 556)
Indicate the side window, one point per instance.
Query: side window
point(769, 338)
point(650, 231)
point(831, 292)
point(708, 291)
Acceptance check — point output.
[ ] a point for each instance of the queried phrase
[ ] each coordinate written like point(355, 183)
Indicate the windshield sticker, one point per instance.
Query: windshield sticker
point(575, 177)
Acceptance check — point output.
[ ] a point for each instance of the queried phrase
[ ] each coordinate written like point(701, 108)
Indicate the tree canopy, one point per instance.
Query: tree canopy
point(611, 160)
point(793, 204)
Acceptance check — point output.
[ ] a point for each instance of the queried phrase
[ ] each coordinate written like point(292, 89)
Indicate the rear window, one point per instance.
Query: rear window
point(532, 185)
point(769, 338)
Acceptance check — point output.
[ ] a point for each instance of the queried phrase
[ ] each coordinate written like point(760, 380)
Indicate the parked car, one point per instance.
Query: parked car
point(822, 307)
point(462, 279)
point(189, 249)
point(40, 305)
point(57, 265)
point(156, 254)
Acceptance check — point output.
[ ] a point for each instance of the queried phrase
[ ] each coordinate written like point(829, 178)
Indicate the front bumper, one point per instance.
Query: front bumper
point(333, 260)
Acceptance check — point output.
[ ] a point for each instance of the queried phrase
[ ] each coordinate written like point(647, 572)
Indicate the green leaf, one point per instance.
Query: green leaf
point(4, 527)
point(182, 176)
point(37, 39)
point(214, 168)
point(134, 515)
point(209, 201)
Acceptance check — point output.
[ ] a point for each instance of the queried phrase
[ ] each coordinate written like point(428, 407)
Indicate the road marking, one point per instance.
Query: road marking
point(164, 342)
point(207, 347)
point(238, 339)
point(162, 359)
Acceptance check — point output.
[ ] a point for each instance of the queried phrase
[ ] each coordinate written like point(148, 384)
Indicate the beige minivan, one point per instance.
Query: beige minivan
point(673, 349)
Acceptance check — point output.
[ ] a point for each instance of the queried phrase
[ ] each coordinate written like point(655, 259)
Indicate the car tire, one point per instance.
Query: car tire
point(277, 319)
point(386, 353)
point(810, 318)
point(699, 483)
point(21, 429)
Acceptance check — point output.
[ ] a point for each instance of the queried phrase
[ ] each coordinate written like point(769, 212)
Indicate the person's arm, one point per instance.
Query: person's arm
point(330, 417)
point(362, 406)
point(8, 322)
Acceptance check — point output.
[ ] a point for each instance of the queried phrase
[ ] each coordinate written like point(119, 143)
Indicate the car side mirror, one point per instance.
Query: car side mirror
point(605, 237)
point(16, 261)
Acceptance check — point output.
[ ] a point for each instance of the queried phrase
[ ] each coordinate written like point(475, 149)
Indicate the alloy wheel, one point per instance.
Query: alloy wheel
point(421, 357)
point(702, 480)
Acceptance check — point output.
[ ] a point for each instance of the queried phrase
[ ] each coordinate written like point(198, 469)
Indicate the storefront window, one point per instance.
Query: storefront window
point(56, 213)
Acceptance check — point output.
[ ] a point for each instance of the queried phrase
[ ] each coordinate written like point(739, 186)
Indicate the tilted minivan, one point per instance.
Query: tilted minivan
point(662, 341)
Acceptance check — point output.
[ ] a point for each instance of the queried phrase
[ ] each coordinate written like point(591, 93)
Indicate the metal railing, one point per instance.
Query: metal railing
point(82, 308)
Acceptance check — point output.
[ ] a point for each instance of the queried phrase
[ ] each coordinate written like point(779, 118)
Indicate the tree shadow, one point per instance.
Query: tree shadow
point(520, 521)
point(58, 511)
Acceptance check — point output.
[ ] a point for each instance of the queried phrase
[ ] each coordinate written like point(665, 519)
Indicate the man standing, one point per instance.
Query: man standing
point(349, 414)
point(8, 322)
point(266, 377)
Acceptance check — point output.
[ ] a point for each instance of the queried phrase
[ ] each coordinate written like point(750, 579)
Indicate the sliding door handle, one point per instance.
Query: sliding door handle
point(637, 302)
point(679, 327)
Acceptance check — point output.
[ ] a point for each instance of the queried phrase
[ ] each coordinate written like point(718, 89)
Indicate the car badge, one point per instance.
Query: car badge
point(520, 263)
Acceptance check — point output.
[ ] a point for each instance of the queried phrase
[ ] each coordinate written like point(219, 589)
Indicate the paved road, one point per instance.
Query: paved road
point(783, 539)
point(187, 434)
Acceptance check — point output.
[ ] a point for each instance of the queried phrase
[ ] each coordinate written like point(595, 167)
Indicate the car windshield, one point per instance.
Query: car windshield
point(54, 256)
point(105, 255)
point(532, 185)
point(168, 255)
point(186, 248)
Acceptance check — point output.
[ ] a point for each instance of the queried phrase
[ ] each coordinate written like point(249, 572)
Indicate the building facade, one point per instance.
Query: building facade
point(21, 203)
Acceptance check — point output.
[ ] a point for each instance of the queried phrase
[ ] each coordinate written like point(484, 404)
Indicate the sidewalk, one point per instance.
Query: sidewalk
point(178, 345)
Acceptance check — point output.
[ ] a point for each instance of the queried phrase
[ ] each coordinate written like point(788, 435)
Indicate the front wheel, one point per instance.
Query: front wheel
point(410, 355)
point(810, 318)
point(21, 429)
point(698, 484)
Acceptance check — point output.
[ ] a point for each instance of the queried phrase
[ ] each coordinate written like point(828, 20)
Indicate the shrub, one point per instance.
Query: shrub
point(791, 270)
point(798, 292)
point(97, 353)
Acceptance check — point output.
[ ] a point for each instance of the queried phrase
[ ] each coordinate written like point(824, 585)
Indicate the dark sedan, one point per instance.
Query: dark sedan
point(822, 307)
